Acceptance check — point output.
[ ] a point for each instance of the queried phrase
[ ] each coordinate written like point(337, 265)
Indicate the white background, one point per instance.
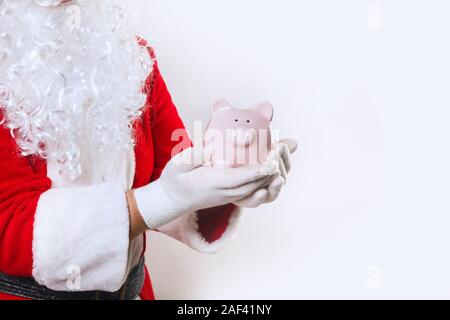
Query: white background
point(364, 86)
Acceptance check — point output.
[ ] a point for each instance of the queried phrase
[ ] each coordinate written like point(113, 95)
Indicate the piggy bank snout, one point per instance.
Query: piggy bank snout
point(244, 137)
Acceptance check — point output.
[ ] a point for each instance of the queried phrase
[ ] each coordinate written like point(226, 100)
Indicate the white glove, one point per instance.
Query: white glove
point(269, 193)
point(187, 186)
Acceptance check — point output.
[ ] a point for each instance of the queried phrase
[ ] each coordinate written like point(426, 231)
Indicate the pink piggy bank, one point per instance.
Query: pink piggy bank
point(238, 137)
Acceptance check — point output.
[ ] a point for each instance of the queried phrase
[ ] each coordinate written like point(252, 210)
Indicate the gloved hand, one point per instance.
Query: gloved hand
point(269, 193)
point(187, 186)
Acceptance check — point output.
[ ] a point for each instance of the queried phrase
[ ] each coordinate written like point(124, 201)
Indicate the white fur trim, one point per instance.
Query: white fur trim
point(185, 229)
point(81, 238)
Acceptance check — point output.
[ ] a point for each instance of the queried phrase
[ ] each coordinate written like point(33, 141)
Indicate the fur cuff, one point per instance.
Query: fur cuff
point(186, 230)
point(81, 238)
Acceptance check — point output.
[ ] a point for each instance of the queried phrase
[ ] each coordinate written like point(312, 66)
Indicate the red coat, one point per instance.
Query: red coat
point(23, 180)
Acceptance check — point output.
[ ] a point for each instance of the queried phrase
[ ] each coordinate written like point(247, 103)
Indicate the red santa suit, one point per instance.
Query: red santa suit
point(48, 225)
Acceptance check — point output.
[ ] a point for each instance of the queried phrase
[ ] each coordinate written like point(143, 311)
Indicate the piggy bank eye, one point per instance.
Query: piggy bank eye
point(248, 121)
point(236, 120)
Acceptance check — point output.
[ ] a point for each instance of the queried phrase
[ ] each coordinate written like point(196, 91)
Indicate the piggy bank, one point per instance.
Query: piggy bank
point(238, 137)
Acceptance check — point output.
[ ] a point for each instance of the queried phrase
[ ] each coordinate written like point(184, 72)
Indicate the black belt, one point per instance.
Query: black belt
point(28, 288)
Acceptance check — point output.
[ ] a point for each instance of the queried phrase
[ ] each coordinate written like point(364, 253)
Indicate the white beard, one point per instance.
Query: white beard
point(69, 94)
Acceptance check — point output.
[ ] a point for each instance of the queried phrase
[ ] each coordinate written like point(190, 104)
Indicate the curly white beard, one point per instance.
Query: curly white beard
point(65, 89)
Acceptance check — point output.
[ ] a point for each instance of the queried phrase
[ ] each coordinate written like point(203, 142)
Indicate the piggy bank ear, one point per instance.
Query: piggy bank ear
point(266, 109)
point(218, 105)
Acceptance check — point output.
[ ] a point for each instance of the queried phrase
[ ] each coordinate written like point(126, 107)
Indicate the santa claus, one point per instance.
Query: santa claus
point(86, 163)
